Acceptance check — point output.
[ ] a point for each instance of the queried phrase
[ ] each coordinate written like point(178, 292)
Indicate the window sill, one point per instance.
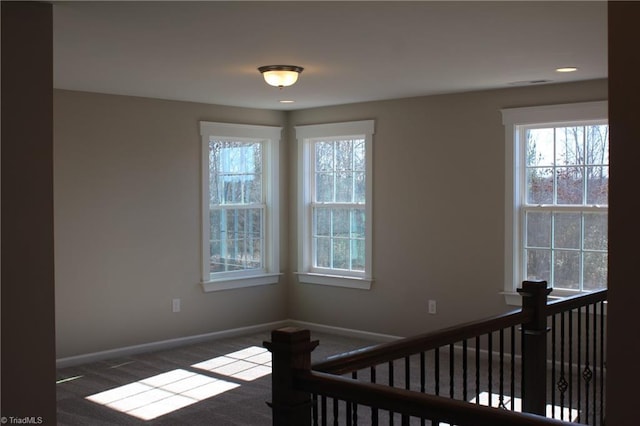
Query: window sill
point(514, 298)
point(335, 280)
point(511, 298)
point(239, 282)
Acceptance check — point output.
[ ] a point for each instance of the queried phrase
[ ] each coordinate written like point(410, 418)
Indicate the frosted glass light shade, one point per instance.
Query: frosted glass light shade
point(280, 75)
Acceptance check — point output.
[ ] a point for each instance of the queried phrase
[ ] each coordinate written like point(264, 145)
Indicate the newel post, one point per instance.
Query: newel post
point(534, 347)
point(291, 354)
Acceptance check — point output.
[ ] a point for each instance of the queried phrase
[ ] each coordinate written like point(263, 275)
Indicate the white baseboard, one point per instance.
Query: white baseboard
point(165, 344)
point(188, 340)
point(340, 331)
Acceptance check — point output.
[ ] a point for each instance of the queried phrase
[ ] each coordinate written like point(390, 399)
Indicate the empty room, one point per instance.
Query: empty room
point(425, 185)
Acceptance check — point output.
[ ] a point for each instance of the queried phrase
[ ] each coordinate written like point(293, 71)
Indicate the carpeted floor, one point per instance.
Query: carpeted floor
point(206, 383)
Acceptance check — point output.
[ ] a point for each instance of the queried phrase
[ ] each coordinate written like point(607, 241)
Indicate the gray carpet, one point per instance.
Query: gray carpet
point(242, 405)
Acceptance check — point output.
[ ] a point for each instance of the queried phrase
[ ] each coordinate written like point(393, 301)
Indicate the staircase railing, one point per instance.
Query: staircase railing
point(547, 360)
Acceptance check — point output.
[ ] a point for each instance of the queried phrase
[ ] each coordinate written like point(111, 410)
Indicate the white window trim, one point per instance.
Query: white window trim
point(270, 274)
point(511, 119)
point(305, 135)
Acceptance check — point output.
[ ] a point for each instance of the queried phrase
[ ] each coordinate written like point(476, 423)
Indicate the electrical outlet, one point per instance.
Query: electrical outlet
point(432, 306)
point(175, 305)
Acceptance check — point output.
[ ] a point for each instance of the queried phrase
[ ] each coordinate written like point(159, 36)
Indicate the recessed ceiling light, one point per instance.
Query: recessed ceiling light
point(566, 69)
point(286, 101)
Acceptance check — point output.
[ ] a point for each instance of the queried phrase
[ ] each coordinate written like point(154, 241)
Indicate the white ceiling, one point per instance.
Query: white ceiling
point(351, 51)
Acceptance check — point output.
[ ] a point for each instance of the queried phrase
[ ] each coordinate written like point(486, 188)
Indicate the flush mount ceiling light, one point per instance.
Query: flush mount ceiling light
point(280, 75)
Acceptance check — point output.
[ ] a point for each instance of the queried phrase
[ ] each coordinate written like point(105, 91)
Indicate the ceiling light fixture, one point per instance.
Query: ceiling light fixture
point(280, 75)
point(566, 69)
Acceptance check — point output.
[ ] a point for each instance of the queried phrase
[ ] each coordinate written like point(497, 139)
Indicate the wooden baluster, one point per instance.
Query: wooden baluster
point(578, 367)
point(570, 363)
point(563, 385)
point(490, 367)
point(391, 380)
point(436, 355)
point(554, 333)
point(423, 372)
point(407, 385)
point(354, 376)
point(324, 410)
point(595, 363)
point(602, 363)
point(407, 373)
point(314, 409)
point(501, 397)
point(477, 369)
point(465, 370)
point(513, 368)
point(587, 373)
point(374, 410)
point(423, 378)
point(451, 371)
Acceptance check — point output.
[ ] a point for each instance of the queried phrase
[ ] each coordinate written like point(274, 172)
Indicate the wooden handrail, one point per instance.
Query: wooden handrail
point(374, 355)
point(362, 358)
point(417, 404)
point(295, 379)
point(575, 302)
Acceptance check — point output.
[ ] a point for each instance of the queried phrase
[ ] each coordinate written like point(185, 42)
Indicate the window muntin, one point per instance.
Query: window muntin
point(556, 197)
point(566, 177)
point(567, 165)
point(338, 205)
point(240, 219)
point(335, 238)
point(236, 205)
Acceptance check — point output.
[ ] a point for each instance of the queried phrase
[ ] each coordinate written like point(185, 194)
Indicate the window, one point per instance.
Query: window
point(335, 204)
point(239, 205)
point(557, 196)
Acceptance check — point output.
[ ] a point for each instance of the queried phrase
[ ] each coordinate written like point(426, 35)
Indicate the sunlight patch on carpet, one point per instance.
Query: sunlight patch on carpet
point(247, 364)
point(161, 394)
point(555, 412)
point(164, 393)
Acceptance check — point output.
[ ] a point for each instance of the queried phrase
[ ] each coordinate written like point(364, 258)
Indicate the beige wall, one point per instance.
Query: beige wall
point(127, 220)
point(127, 217)
point(438, 209)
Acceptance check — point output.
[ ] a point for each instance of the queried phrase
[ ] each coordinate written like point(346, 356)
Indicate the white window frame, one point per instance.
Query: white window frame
point(513, 119)
point(306, 136)
point(269, 136)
